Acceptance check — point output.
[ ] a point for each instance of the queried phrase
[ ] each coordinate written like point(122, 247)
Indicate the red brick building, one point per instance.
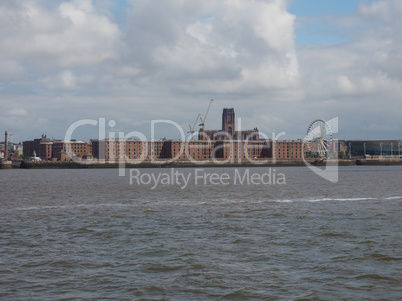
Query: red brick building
point(42, 147)
point(44, 150)
point(67, 150)
point(109, 150)
point(288, 150)
point(48, 149)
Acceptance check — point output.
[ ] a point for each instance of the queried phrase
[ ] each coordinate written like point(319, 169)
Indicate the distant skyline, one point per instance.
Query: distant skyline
point(279, 63)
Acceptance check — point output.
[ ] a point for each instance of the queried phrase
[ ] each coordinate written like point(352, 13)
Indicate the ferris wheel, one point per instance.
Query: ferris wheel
point(319, 138)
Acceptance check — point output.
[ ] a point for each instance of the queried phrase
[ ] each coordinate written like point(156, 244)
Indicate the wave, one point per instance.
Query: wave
point(204, 202)
point(74, 206)
point(285, 201)
point(393, 198)
point(332, 199)
point(342, 199)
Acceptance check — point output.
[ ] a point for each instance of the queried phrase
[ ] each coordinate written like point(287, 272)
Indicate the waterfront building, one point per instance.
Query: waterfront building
point(67, 150)
point(57, 150)
point(41, 146)
point(28, 148)
point(374, 148)
point(288, 149)
point(139, 150)
point(44, 150)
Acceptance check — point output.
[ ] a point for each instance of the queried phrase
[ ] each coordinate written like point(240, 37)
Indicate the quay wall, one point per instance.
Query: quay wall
point(177, 164)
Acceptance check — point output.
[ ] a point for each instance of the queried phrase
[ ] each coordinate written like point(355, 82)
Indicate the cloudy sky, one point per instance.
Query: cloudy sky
point(279, 63)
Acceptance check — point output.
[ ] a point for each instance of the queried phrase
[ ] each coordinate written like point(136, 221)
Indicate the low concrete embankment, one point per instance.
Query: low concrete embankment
point(184, 164)
point(181, 164)
point(379, 162)
point(4, 164)
point(156, 164)
point(72, 164)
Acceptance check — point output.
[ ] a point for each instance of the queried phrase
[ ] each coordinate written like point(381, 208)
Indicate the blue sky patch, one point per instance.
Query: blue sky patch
point(313, 25)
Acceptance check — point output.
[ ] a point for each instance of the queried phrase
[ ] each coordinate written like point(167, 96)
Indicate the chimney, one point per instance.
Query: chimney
point(6, 147)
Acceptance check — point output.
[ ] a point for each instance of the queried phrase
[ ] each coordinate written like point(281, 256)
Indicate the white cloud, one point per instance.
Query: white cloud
point(241, 45)
point(353, 79)
point(18, 112)
point(345, 85)
point(200, 30)
point(66, 80)
point(73, 34)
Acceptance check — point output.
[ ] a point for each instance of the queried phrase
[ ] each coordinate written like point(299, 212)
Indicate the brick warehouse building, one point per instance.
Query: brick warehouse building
point(139, 150)
point(41, 146)
point(48, 149)
point(288, 150)
point(64, 150)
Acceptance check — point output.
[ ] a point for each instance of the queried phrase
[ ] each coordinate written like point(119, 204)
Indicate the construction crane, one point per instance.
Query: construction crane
point(203, 120)
point(192, 128)
point(11, 134)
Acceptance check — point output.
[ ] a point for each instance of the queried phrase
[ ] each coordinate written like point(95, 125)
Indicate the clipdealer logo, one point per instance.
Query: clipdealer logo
point(187, 149)
point(319, 152)
point(201, 176)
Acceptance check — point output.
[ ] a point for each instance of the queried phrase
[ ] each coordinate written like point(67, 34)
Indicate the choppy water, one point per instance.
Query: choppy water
point(89, 234)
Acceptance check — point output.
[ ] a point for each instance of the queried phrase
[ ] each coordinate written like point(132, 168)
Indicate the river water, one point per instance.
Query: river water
point(230, 233)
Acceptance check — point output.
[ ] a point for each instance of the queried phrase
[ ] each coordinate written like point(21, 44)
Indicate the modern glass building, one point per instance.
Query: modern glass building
point(374, 147)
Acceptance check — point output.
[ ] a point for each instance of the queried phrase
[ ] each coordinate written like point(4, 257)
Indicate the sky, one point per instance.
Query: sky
point(279, 63)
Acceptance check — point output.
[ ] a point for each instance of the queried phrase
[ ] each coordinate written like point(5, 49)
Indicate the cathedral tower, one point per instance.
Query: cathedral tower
point(228, 121)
